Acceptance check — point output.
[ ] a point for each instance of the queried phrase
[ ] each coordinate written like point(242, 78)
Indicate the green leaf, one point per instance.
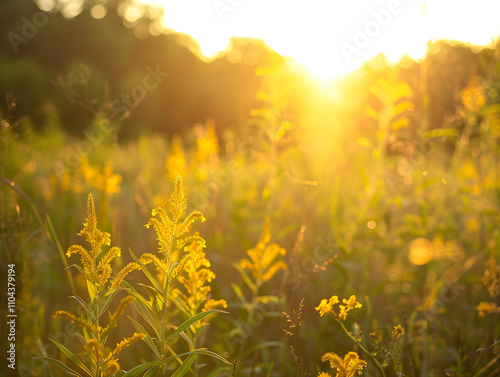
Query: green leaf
point(80, 301)
point(80, 270)
point(269, 374)
point(491, 109)
point(156, 298)
point(182, 370)
point(220, 371)
point(151, 372)
point(92, 290)
point(191, 321)
point(61, 365)
point(259, 346)
point(239, 293)
point(81, 338)
point(245, 277)
point(202, 351)
point(440, 132)
point(266, 299)
point(144, 308)
point(105, 302)
point(140, 368)
point(71, 356)
point(55, 239)
point(146, 272)
point(149, 341)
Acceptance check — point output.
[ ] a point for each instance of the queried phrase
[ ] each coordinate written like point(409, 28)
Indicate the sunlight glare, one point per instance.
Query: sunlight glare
point(331, 38)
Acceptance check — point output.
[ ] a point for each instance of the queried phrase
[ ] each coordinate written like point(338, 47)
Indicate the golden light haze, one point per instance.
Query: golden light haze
point(328, 37)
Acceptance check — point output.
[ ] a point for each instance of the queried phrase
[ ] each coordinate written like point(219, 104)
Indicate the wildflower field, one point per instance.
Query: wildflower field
point(336, 229)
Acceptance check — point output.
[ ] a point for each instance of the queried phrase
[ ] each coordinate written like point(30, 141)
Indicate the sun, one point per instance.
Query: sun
point(331, 38)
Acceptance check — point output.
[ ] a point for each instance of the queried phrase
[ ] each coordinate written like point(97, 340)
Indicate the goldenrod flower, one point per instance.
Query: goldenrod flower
point(95, 347)
point(398, 331)
point(79, 321)
point(113, 368)
point(346, 367)
point(176, 160)
point(124, 344)
point(193, 272)
point(212, 304)
point(377, 334)
point(107, 181)
point(206, 144)
point(486, 308)
point(491, 278)
point(168, 227)
point(324, 307)
point(262, 257)
point(473, 96)
point(352, 303)
point(148, 258)
point(324, 374)
point(343, 312)
point(121, 307)
point(100, 274)
point(124, 272)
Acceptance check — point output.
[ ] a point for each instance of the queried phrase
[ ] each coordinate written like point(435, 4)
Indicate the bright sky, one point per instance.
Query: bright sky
point(331, 37)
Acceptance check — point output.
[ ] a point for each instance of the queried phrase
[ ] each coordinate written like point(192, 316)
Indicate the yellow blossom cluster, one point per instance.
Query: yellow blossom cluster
point(398, 331)
point(491, 280)
point(346, 367)
point(485, 308)
point(327, 306)
point(262, 258)
point(98, 273)
point(194, 276)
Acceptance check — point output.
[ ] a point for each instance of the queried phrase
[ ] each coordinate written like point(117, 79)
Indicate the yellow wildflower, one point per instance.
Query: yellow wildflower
point(113, 368)
point(491, 278)
point(346, 367)
point(197, 271)
point(473, 96)
point(324, 374)
point(124, 272)
point(94, 347)
point(100, 274)
point(121, 307)
point(168, 228)
point(124, 344)
point(207, 144)
point(211, 304)
point(79, 321)
point(151, 258)
point(352, 303)
point(262, 257)
point(398, 331)
point(485, 308)
point(324, 307)
point(107, 181)
point(176, 161)
point(377, 334)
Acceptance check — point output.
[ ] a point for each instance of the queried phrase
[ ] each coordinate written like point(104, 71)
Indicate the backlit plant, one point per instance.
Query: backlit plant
point(92, 358)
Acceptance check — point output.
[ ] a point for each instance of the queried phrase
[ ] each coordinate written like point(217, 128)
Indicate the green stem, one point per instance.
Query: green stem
point(363, 348)
point(166, 284)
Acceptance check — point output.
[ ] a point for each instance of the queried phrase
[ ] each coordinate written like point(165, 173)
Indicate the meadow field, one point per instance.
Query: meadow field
point(328, 230)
